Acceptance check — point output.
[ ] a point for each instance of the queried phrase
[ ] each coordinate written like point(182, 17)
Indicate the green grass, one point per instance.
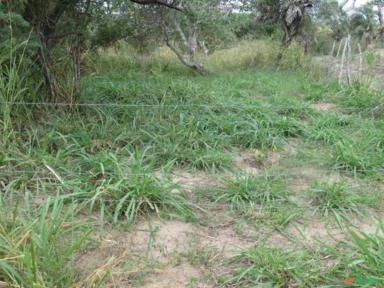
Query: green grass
point(264, 266)
point(359, 259)
point(37, 248)
point(258, 199)
point(335, 199)
point(12, 89)
point(359, 97)
point(367, 256)
point(361, 151)
point(115, 161)
point(329, 128)
point(252, 190)
point(137, 193)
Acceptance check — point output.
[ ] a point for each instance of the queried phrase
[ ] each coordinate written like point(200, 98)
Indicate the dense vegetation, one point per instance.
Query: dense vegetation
point(105, 126)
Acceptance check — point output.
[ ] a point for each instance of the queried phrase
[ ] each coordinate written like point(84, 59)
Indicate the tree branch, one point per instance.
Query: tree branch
point(171, 5)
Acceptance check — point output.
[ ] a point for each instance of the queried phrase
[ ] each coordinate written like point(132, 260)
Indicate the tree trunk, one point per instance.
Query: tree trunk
point(286, 37)
point(45, 62)
point(190, 44)
point(193, 65)
point(77, 69)
point(44, 17)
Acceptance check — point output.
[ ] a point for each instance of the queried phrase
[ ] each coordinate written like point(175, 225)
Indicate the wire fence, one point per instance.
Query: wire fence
point(212, 106)
point(261, 172)
point(125, 173)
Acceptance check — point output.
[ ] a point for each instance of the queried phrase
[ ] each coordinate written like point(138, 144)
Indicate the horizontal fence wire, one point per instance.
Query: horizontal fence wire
point(85, 198)
point(266, 207)
point(222, 173)
point(126, 105)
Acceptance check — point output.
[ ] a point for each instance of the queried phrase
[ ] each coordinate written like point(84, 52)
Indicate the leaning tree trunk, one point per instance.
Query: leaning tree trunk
point(190, 45)
point(193, 65)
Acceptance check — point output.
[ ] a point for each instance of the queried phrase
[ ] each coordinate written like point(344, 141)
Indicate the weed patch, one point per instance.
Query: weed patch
point(334, 199)
point(273, 266)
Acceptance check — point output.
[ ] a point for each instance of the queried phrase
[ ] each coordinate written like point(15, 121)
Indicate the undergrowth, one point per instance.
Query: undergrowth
point(37, 248)
point(141, 118)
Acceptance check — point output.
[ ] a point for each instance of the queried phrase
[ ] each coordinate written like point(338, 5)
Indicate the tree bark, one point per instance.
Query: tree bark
point(190, 44)
point(45, 62)
point(195, 66)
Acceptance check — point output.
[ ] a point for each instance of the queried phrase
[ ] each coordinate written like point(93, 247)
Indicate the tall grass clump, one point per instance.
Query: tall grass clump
point(247, 54)
point(248, 189)
point(36, 249)
point(115, 59)
point(265, 266)
point(124, 59)
point(12, 90)
point(293, 57)
point(137, 192)
point(258, 54)
point(360, 98)
point(328, 128)
point(163, 60)
point(365, 261)
point(335, 199)
point(359, 155)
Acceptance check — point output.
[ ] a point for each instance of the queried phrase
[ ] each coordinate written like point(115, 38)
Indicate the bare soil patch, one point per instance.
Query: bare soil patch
point(250, 161)
point(189, 181)
point(165, 244)
point(225, 240)
point(324, 107)
point(174, 276)
point(254, 161)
